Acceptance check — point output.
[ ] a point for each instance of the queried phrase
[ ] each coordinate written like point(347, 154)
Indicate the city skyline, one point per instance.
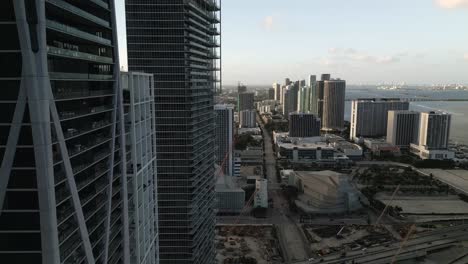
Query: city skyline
point(366, 43)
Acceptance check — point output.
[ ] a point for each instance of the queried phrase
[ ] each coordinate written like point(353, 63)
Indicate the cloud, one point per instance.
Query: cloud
point(465, 56)
point(450, 4)
point(353, 55)
point(387, 59)
point(268, 23)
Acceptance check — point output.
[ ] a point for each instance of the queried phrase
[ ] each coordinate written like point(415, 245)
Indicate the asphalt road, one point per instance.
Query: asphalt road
point(291, 238)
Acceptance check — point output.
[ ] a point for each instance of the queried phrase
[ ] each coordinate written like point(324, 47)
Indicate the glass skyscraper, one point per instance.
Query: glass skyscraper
point(62, 187)
point(176, 40)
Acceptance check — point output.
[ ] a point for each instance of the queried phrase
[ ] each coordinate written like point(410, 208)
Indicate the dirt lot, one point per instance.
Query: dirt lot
point(247, 244)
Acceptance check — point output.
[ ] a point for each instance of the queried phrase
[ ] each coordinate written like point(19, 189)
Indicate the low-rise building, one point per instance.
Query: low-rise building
point(427, 153)
point(351, 150)
point(380, 147)
point(324, 192)
point(267, 106)
point(261, 194)
point(230, 198)
point(250, 131)
point(250, 156)
point(308, 150)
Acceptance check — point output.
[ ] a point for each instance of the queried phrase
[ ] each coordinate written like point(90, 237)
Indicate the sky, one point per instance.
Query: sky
point(361, 41)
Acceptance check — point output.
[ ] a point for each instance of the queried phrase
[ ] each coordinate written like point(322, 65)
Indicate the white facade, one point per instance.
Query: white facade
point(434, 154)
point(434, 130)
point(138, 90)
point(248, 119)
point(277, 88)
point(434, 134)
point(261, 194)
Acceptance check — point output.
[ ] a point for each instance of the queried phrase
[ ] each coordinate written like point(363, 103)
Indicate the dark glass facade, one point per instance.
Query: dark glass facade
point(63, 201)
point(176, 40)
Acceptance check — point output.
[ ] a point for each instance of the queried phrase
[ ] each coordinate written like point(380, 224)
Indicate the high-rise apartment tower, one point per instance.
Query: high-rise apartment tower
point(178, 42)
point(369, 116)
point(333, 105)
point(402, 128)
point(224, 137)
point(304, 125)
point(63, 187)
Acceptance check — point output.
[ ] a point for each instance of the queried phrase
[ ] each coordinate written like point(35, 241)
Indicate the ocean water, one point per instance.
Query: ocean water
point(459, 110)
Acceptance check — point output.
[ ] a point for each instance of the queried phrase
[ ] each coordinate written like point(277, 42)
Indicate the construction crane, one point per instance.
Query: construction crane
point(403, 243)
point(387, 205)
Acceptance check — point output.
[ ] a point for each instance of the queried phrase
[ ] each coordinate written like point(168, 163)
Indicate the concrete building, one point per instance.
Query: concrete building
point(434, 134)
point(351, 150)
point(290, 100)
point(250, 156)
point(333, 105)
point(178, 42)
point(324, 192)
point(319, 150)
point(303, 101)
point(248, 119)
point(230, 198)
point(63, 191)
point(369, 116)
point(237, 166)
point(267, 106)
point(286, 100)
point(245, 101)
point(380, 147)
point(313, 95)
point(434, 130)
point(277, 88)
point(241, 88)
point(402, 128)
point(224, 137)
point(261, 194)
point(304, 125)
point(287, 81)
point(271, 94)
point(138, 96)
point(320, 86)
point(325, 77)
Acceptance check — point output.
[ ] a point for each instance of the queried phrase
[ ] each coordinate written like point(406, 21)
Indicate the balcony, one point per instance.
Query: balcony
point(97, 158)
point(73, 10)
point(59, 27)
point(94, 142)
point(87, 128)
point(207, 14)
point(69, 115)
point(66, 95)
point(79, 76)
point(71, 54)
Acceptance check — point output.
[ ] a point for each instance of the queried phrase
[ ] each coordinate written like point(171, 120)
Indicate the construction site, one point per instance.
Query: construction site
point(410, 195)
point(247, 245)
point(326, 240)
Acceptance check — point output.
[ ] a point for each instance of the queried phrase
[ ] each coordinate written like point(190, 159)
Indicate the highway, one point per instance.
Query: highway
point(416, 246)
